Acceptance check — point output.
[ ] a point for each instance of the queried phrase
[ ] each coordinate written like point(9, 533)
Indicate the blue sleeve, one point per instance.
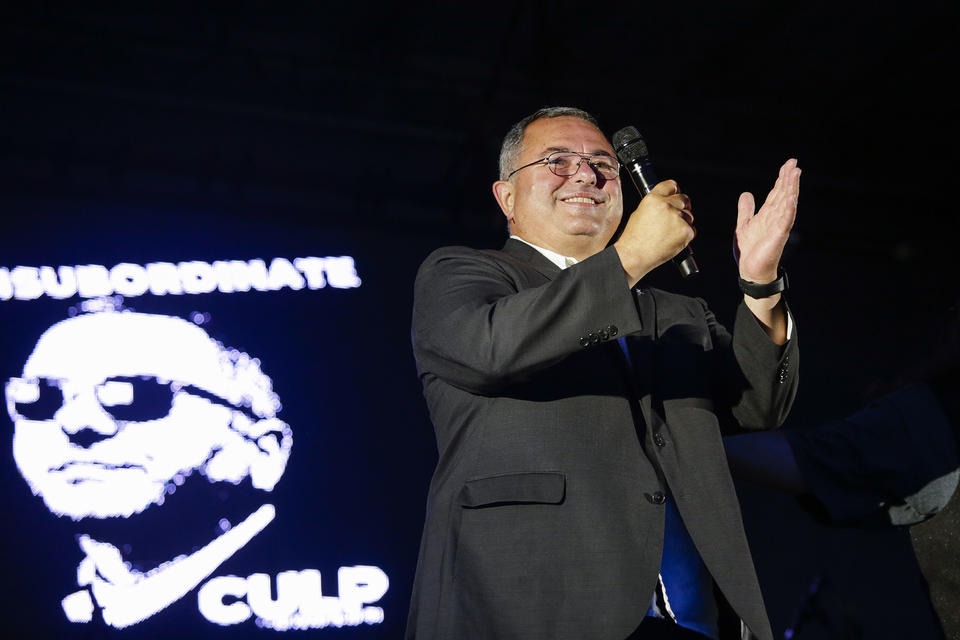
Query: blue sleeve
point(897, 458)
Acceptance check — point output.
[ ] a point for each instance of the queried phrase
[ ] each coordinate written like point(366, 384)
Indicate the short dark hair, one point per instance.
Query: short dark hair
point(512, 142)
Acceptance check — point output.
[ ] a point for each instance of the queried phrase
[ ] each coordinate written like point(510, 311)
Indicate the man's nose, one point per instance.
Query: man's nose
point(84, 421)
point(586, 173)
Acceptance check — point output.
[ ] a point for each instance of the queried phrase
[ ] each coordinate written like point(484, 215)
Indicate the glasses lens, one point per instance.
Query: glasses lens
point(130, 399)
point(563, 164)
point(568, 163)
point(607, 167)
point(35, 399)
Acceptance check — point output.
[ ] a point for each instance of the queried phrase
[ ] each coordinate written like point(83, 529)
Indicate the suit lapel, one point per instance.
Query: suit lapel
point(526, 254)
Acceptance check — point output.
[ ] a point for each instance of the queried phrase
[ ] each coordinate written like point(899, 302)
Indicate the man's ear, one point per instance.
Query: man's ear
point(503, 191)
point(259, 449)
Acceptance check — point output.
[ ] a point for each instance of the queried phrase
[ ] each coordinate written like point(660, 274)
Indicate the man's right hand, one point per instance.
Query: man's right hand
point(659, 229)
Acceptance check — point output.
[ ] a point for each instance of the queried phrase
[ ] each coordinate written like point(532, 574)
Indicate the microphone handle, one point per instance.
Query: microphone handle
point(644, 179)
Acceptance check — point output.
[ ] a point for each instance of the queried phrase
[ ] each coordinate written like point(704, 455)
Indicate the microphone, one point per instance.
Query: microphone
point(632, 152)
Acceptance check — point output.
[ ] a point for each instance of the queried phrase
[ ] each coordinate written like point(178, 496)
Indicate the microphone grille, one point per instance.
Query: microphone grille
point(625, 135)
point(629, 144)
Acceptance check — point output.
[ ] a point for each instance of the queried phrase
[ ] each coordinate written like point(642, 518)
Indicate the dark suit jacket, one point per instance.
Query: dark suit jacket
point(545, 513)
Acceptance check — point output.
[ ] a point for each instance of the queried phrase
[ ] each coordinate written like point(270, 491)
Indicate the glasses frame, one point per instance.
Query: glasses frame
point(175, 388)
point(583, 156)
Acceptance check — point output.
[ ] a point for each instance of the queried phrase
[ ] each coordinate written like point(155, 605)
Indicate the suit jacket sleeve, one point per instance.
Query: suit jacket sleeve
point(763, 396)
point(481, 327)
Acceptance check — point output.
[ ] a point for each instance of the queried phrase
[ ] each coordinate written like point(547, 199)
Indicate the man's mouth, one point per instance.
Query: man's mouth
point(580, 199)
point(93, 463)
point(76, 471)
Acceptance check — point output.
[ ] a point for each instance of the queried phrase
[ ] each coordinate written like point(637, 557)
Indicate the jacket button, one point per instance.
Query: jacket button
point(612, 330)
point(658, 439)
point(594, 338)
point(604, 334)
point(657, 497)
point(784, 368)
point(584, 342)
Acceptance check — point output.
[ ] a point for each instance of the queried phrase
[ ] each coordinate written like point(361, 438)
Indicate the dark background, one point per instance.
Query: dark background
point(372, 129)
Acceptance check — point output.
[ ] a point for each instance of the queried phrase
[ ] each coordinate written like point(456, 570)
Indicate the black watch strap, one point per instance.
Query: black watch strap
point(755, 290)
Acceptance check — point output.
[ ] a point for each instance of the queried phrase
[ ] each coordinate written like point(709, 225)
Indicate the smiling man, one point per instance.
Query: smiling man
point(570, 216)
point(581, 489)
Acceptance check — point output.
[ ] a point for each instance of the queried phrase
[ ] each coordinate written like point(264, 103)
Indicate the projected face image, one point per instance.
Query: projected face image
point(115, 409)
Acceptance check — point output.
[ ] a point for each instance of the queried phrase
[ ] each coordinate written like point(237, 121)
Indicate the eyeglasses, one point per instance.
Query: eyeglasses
point(567, 163)
point(126, 399)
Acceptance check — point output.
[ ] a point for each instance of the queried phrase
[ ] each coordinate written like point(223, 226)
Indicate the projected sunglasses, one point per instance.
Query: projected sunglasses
point(125, 398)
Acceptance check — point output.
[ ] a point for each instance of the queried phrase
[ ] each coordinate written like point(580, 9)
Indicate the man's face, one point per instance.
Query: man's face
point(574, 215)
point(99, 430)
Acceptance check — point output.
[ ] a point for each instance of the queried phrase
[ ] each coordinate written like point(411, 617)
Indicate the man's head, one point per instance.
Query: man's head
point(115, 409)
point(575, 214)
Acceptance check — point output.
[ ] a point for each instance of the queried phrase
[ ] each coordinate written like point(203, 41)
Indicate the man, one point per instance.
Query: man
point(117, 412)
point(578, 411)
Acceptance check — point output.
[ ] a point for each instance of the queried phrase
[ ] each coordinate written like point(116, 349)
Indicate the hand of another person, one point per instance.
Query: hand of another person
point(760, 237)
point(659, 229)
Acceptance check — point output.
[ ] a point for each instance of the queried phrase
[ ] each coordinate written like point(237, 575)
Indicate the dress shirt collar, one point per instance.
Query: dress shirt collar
point(560, 260)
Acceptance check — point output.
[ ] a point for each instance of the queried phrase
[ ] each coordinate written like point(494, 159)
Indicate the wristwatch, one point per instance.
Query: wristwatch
point(755, 290)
